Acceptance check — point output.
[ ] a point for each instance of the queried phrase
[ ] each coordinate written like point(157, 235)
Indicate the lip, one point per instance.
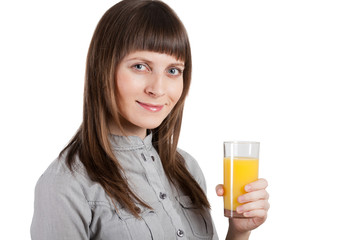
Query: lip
point(150, 107)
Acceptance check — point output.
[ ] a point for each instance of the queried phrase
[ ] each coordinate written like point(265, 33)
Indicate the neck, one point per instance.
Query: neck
point(127, 130)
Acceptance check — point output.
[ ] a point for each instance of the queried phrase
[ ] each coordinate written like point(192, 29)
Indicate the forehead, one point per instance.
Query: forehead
point(153, 57)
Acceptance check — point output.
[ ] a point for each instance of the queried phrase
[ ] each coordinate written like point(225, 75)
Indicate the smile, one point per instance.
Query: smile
point(150, 107)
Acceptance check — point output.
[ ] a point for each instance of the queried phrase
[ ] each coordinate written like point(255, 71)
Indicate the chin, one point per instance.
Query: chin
point(152, 125)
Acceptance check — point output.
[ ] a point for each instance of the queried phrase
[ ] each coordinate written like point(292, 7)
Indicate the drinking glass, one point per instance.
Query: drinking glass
point(241, 167)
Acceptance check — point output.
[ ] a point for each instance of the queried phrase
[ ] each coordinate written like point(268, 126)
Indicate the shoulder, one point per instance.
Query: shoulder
point(194, 168)
point(59, 179)
point(190, 161)
point(60, 192)
point(59, 166)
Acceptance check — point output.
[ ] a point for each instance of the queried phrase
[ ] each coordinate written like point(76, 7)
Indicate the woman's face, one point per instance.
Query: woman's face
point(149, 84)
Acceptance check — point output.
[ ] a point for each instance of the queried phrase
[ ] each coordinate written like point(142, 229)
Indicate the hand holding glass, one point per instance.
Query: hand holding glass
point(241, 167)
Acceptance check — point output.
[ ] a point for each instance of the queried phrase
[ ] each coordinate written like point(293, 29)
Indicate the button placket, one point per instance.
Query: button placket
point(154, 178)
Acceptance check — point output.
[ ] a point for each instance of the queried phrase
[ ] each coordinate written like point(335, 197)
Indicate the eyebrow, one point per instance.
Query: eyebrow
point(178, 64)
point(147, 60)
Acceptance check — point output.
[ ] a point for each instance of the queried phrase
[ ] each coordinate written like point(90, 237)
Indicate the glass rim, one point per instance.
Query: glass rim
point(241, 142)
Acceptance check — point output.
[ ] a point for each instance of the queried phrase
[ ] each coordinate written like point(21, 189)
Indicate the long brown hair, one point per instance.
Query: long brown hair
point(128, 26)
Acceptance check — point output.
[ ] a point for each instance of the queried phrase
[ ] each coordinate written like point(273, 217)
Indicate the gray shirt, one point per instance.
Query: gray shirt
point(71, 206)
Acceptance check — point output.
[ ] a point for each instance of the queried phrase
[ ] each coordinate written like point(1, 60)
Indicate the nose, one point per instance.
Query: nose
point(156, 85)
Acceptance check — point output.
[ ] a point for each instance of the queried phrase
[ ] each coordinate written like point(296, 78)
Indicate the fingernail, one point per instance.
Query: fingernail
point(247, 214)
point(239, 209)
point(247, 188)
point(241, 199)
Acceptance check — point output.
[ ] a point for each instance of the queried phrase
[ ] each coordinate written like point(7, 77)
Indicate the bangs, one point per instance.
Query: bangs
point(153, 28)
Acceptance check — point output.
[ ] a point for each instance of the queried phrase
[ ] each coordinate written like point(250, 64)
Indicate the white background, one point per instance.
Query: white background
point(284, 73)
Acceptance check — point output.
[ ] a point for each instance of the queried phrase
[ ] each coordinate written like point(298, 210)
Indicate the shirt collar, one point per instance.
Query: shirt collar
point(130, 142)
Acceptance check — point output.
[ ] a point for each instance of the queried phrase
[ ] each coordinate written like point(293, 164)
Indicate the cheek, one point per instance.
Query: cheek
point(122, 83)
point(127, 86)
point(124, 92)
point(176, 91)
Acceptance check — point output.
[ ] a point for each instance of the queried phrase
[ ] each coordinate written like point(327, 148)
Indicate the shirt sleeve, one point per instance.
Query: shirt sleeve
point(60, 210)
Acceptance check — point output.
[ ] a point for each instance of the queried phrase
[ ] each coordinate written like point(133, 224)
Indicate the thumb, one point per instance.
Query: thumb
point(219, 190)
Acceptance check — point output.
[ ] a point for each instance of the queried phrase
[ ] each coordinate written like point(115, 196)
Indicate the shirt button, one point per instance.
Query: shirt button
point(143, 157)
point(153, 158)
point(162, 195)
point(180, 233)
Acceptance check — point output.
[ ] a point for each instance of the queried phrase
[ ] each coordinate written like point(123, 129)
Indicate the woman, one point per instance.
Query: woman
point(122, 176)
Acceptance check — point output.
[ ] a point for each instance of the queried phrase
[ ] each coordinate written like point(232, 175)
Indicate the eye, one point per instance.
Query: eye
point(140, 67)
point(175, 71)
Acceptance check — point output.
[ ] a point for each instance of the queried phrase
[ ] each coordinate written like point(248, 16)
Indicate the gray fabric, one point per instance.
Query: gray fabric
point(71, 206)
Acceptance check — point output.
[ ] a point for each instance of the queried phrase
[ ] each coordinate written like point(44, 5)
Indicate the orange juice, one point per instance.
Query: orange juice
point(238, 173)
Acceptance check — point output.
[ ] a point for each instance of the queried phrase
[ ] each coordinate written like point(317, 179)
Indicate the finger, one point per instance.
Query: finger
point(220, 190)
point(257, 185)
point(259, 213)
point(258, 205)
point(254, 196)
